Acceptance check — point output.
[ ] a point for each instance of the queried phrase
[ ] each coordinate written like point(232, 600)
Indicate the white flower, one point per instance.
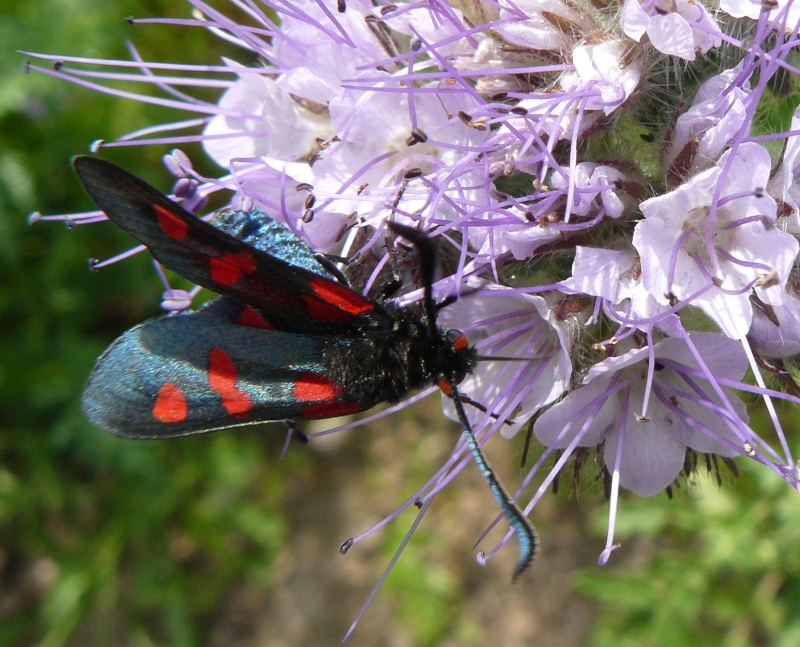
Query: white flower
point(651, 431)
point(679, 28)
point(713, 238)
point(601, 76)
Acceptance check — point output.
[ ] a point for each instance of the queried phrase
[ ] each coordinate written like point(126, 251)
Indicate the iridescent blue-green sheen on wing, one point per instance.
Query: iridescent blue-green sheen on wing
point(268, 365)
point(256, 228)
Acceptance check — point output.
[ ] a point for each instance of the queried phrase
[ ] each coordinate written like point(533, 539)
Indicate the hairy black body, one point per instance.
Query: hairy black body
point(387, 365)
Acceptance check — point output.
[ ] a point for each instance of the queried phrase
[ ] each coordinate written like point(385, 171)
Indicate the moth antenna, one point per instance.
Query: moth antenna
point(427, 265)
point(526, 533)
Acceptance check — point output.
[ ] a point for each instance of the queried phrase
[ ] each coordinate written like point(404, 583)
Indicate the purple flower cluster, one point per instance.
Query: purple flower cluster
point(613, 186)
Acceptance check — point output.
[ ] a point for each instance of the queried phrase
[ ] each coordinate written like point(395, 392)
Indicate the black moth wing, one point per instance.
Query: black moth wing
point(290, 297)
point(200, 371)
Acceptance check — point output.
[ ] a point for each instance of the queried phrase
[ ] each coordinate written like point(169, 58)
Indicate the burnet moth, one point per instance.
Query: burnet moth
point(287, 339)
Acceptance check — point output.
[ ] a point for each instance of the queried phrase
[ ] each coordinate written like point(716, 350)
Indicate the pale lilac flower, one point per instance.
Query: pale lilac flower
point(679, 28)
point(279, 127)
point(713, 239)
point(597, 189)
point(718, 114)
point(645, 406)
point(782, 15)
point(601, 77)
point(783, 184)
point(775, 331)
point(538, 24)
point(616, 277)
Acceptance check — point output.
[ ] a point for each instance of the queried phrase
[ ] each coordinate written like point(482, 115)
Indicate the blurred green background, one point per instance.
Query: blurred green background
point(209, 540)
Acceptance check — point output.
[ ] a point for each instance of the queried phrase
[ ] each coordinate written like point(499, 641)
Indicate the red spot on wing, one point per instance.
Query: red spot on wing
point(171, 223)
point(333, 302)
point(170, 404)
point(222, 380)
point(330, 409)
point(249, 317)
point(228, 269)
point(341, 297)
point(311, 387)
